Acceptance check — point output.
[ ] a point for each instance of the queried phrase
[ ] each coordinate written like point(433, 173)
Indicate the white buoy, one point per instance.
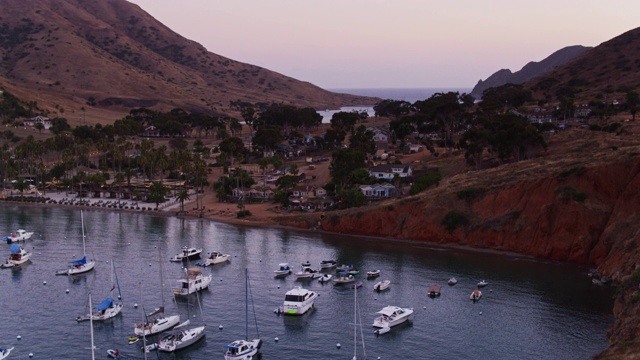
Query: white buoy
point(30, 355)
point(276, 339)
point(480, 312)
point(67, 291)
point(18, 337)
point(135, 305)
point(220, 327)
point(149, 265)
point(44, 283)
point(278, 286)
point(338, 345)
point(194, 315)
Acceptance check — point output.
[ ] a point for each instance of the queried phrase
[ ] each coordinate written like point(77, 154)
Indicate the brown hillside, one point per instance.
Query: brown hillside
point(66, 51)
point(603, 73)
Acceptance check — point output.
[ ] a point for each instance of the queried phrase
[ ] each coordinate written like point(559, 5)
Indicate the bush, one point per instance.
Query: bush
point(243, 213)
point(567, 193)
point(424, 182)
point(454, 219)
point(471, 194)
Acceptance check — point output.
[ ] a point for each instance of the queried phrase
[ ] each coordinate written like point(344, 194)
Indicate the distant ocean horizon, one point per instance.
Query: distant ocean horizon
point(410, 95)
point(407, 94)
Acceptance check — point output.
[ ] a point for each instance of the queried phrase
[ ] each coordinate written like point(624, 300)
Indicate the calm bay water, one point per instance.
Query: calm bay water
point(530, 310)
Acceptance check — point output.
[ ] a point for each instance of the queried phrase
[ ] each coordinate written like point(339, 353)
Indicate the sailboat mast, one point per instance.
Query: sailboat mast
point(355, 323)
point(246, 304)
point(84, 250)
point(93, 355)
point(161, 278)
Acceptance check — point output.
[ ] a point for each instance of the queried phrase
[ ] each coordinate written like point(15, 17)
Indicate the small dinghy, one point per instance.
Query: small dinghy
point(113, 353)
point(382, 285)
point(325, 278)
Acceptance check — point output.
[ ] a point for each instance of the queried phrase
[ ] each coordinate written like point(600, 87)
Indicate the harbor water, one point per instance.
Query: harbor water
point(531, 309)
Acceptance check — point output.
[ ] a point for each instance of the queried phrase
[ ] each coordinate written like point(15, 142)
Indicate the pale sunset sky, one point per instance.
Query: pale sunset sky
point(393, 43)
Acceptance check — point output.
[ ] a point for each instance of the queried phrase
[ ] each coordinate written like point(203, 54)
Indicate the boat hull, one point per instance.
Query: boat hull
point(157, 326)
point(198, 284)
point(76, 270)
point(181, 339)
point(252, 347)
point(101, 316)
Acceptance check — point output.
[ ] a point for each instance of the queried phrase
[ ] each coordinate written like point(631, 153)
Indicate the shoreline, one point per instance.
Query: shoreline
point(264, 222)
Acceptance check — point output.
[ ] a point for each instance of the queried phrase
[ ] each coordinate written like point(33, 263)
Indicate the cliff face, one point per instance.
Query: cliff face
point(547, 218)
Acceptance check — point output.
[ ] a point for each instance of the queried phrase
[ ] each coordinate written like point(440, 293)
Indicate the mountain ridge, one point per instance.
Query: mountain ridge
point(62, 51)
point(531, 70)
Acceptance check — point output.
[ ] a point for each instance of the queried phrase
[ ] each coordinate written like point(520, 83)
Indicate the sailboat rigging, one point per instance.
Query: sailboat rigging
point(109, 307)
point(245, 349)
point(156, 321)
point(181, 336)
point(82, 265)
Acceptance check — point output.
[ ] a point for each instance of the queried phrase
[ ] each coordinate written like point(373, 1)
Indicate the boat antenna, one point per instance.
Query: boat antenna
point(161, 278)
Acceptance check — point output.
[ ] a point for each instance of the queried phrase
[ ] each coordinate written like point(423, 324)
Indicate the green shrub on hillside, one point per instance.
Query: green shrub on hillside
point(424, 182)
point(454, 219)
point(471, 194)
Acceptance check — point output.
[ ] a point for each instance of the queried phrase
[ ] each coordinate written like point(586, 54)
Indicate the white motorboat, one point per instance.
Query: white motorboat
point(392, 316)
point(452, 281)
point(373, 274)
point(434, 290)
point(343, 278)
point(109, 307)
point(192, 282)
point(475, 295)
point(82, 265)
point(17, 257)
point(297, 301)
point(382, 285)
point(4, 352)
point(181, 338)
point(327, 264)
point(482, 283)
point(188, 253)
point(246, 348)
point(283, 270)
point(307, 272)
point(19, 235)
point(216, 258)
point(325, 278)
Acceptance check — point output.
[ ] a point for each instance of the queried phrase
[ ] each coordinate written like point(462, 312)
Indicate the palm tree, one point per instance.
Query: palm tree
point(182, 196)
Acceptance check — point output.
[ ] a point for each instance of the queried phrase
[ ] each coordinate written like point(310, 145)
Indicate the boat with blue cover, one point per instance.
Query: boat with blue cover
point(18, 257)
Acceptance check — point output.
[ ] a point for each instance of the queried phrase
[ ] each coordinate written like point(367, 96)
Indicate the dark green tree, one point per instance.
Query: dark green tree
point(157, 193)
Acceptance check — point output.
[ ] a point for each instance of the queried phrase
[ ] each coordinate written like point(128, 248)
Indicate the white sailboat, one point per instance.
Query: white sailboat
point(182, 336)
point(246, 348)
point(156, 321)
point(82, 265)
point(109, 307)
